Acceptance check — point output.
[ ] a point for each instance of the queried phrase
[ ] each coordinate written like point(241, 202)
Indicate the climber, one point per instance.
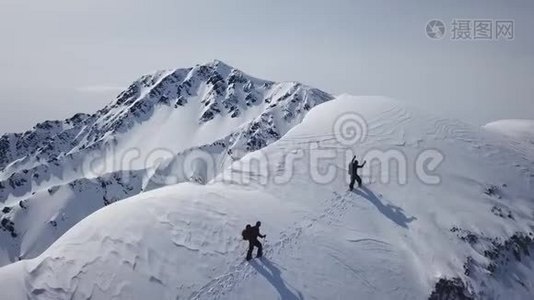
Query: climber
point(251, 234)
point(353, 171)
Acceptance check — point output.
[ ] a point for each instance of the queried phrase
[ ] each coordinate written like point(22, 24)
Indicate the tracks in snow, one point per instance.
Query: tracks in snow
point(332, 210)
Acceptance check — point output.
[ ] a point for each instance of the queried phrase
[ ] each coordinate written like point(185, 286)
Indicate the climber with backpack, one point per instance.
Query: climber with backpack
point(251, 234)
point(353, 172)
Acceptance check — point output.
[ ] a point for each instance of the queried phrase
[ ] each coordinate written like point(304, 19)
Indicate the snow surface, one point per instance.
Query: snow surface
point(522, 130)
point(388, 240)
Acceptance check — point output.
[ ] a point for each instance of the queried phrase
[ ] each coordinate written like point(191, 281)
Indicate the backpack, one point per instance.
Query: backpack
point(245, 234)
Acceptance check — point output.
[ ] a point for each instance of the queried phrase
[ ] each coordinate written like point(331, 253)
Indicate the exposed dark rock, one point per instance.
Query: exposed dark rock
point(53, 189)
point(517, 245)
point(492, 191)
point(9, 226)
point(207, 115)
point(465, 235)
point(502, 212)
point(450, 289)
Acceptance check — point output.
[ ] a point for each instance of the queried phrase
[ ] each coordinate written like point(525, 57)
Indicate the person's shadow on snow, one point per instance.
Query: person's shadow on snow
point(392, 212)
point(272, 274)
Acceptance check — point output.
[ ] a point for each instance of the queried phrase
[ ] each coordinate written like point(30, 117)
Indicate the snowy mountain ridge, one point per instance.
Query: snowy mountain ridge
point(221, 90)
point(176, 235)
point(212, 107)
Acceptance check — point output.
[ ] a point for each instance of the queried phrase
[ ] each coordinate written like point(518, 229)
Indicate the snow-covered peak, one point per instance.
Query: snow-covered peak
point(211, 107)
point(206, 91)
point(220, 66)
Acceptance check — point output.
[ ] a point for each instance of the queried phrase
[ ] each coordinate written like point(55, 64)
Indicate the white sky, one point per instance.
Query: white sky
point(59, 57)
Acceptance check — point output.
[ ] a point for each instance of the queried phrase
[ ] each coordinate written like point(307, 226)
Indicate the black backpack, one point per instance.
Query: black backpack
point(245, 234)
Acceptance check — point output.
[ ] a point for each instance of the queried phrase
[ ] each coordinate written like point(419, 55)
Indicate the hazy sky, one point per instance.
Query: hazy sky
point(58, 57)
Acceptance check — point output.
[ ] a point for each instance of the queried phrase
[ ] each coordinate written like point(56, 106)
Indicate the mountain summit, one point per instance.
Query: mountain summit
point(209, 91)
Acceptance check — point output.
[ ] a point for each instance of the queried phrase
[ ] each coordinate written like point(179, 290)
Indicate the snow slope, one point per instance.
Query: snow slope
point(522, 130)
point(466, 235)
point(59, 172)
